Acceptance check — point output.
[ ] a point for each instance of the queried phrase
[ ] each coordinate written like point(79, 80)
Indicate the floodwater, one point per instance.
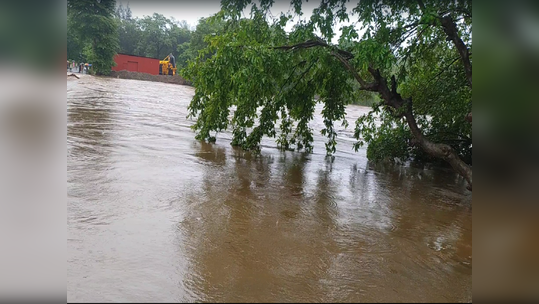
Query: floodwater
point(155, 215)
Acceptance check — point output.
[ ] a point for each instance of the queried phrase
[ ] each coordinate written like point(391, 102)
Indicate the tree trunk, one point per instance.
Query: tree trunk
point(441, 151)
point(438, 150)
point(394, 100)
point(450, 29)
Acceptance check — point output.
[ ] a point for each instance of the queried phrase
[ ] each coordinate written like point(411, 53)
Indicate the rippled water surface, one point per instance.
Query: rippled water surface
point(154, 215)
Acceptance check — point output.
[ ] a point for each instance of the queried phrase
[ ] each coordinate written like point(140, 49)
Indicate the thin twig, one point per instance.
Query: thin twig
point(443, 70)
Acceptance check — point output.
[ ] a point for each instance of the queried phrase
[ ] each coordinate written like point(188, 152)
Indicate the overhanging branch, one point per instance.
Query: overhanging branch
point(310, 44)
point(450, 29)
point(349, 67)
point(399, 106)
point(303, 74)
point(443, 70)
point(341, 55)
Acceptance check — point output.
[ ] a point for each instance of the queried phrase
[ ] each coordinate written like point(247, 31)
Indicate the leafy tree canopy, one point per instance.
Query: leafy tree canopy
point(95, 28)
point(415, 55)
point(190, 50)
point(153, 36)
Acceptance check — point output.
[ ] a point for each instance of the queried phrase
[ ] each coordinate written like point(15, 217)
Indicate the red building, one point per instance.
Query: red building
point(136, 64)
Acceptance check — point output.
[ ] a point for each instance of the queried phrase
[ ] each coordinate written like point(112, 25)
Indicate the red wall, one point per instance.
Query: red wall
point(136, 64)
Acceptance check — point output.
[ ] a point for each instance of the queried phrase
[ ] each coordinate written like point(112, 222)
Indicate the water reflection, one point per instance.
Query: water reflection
point(155, 215)
point(288, 229)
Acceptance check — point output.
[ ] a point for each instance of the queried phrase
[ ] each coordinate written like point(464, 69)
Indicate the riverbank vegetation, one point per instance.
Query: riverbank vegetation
point(153, 36)
point(411, 61)
point(415, 56)
point(92, 33)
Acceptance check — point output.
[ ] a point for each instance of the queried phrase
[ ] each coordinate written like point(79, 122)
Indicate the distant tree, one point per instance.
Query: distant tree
point(123, 12)
point(94, 24)
point(152, 36)
point(129, 33)
point(178, 34)
point(154, 41)
point(74, 44)
point(189, 50)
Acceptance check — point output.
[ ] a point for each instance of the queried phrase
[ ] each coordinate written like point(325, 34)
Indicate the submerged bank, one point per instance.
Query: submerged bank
point(148, 77)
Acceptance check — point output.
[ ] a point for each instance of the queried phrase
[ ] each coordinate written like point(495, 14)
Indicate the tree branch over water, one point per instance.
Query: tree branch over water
point(373, 61)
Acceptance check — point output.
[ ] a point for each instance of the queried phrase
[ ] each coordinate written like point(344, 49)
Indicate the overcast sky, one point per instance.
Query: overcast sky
point(187, 10)
point(191, 10)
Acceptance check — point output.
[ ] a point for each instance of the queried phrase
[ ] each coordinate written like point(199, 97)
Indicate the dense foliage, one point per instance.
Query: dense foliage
point(190, 50)
point(93, 29)
point(414, 55)
point(153, 36)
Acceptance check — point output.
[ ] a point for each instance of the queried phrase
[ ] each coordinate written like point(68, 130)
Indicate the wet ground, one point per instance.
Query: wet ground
point(154, 215)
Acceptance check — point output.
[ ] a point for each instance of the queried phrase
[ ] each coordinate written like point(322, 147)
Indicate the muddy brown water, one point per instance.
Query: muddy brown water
point(155, 215)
